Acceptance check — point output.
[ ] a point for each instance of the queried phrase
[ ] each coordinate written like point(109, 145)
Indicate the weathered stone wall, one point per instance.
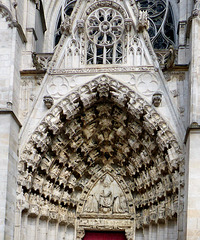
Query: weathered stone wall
point(22, 94)
point(10, 60)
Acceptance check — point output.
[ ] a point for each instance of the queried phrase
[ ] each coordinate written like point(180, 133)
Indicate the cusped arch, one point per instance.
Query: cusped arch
point(102, 123)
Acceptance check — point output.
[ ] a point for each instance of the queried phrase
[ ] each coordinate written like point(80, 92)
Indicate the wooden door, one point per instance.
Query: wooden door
point(104, 236)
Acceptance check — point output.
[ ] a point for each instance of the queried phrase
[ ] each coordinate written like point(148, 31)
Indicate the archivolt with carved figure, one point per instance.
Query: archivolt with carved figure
point(102, 154)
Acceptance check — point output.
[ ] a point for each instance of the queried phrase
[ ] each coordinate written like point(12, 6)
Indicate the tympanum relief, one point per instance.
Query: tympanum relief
point(102, 152)
point(106, 197)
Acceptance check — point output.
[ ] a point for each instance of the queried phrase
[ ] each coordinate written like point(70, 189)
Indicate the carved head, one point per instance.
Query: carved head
point(48, 101)
point(157, 99)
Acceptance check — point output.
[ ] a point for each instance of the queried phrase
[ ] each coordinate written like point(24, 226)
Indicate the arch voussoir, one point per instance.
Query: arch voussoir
point(101, 125)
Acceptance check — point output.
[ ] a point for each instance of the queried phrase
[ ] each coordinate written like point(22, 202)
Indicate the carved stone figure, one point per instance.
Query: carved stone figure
point(92, 204)
point(48, 101)
point(105, 200)
point(143, 20)
point(98, 160)
point(156, 99)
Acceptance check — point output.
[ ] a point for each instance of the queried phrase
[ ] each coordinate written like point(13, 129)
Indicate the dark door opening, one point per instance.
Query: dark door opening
point(104, 235)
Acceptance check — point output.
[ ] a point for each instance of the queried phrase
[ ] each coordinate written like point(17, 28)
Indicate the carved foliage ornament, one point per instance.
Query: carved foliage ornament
point(69, 106)
point(89, 130)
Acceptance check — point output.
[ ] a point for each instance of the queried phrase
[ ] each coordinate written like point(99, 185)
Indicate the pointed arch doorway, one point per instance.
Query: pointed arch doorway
point(102, 159)
point(95, 235)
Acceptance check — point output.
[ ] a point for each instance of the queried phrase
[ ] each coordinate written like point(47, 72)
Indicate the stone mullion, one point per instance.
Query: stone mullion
point(104, 55)
point(95, 53)
point(114, 53)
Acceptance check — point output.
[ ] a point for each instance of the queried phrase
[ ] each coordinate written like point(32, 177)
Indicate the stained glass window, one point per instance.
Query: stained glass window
point(162, 28)
point(68, 8)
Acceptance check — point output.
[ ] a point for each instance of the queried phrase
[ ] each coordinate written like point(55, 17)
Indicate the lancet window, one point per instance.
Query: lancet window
point(105, 28)
point(162, 27)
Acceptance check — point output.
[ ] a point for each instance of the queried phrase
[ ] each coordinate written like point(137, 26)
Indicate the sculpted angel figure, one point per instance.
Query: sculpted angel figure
point(91, 204)
point(120, 204)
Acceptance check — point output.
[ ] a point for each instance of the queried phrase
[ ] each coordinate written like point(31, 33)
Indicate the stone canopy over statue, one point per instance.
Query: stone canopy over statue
point(106, 197)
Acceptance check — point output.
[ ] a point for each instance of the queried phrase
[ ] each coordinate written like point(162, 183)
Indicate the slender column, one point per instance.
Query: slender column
point(193, 139)
point(193, 207)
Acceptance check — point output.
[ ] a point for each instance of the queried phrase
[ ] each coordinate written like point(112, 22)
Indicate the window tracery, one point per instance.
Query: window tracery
point(68, 8)
point(105, 31)
point(162, 28)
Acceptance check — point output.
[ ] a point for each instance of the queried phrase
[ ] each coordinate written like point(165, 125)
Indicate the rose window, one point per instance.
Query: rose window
point(104, 29)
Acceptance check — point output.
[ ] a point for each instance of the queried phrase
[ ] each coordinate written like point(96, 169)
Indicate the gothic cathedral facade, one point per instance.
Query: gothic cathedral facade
point(99, 119)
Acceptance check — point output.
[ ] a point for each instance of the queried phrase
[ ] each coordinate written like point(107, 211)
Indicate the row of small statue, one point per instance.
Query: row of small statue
point(168, 182)
point(162, 211)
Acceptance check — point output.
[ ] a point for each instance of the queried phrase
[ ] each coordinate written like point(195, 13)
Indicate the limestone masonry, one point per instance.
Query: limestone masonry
point(99, 119)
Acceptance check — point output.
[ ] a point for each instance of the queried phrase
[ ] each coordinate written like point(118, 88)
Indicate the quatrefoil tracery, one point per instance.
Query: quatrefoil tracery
point(105, 26)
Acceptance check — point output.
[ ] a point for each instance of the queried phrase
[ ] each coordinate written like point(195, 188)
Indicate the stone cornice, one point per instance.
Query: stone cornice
point(106, 69)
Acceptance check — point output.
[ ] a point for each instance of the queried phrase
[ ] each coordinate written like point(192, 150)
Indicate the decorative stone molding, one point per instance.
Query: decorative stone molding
point(147, 84)
point(5, 12)
point(105, 225)
point(143, 22)
point(102, 135)
point(80, 26)
point(41, 60)
point(108, 3)
point(58, 86)
point(66, 26)
point(128, 22)
point(102, 70)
